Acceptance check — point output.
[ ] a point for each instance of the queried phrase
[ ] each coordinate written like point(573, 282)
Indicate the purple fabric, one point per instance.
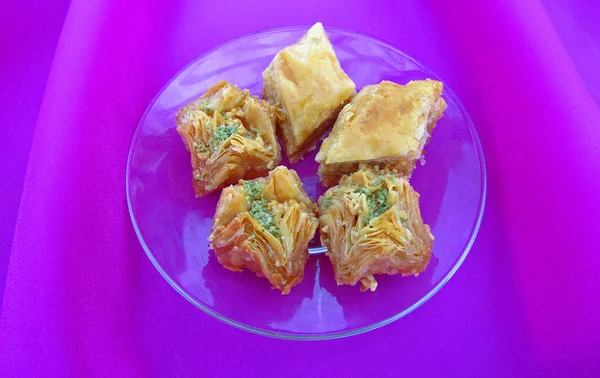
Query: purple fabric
point(28, 36)
point(82, 299)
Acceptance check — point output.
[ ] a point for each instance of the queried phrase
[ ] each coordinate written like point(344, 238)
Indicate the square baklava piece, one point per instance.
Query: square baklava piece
point(308, 87)
point(371, 224)
point(265, 225)
point(386, 125)
point(230, 135)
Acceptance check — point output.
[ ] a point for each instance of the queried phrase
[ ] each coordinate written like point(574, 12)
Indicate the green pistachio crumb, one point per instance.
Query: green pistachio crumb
point(378, 202)
point(381, 178)
point(223, 132)
point(260, 211)
point(259, 207)
point(253, 190)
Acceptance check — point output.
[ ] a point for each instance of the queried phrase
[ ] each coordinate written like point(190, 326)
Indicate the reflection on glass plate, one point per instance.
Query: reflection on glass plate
point(173, 226)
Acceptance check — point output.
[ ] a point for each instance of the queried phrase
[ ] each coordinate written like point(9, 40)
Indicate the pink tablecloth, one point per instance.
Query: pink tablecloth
point(82, 299)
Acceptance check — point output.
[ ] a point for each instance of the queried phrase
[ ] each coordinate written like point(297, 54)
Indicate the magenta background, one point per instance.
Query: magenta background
point(82, 299)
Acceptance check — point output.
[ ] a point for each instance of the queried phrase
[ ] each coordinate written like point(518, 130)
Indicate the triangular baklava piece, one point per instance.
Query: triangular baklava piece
point(308, 87)
point(385, 125)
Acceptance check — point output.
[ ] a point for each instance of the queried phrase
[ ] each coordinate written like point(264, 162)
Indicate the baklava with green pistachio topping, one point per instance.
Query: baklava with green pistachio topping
point(230, 135)
point(371, 224)
point(265, 225)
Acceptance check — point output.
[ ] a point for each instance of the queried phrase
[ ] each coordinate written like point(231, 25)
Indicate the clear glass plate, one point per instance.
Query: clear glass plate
point(173, 226)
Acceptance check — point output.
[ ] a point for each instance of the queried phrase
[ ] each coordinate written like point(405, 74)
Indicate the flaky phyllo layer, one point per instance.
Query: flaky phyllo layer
point(230, 135)
point(265, 225)
point(308, 87)
point(371, 224)
point(386, 125)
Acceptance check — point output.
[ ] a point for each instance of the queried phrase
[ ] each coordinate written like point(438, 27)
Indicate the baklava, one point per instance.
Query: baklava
point(308, 87)
point(386, 125)
point(371, 224)
point(265, 225)
point(230, 135)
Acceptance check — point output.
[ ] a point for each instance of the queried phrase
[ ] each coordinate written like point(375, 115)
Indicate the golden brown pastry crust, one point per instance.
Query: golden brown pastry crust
point(230, 135)
point(265, 225)
point(371, 224)
point(385, 124)
point(307, 85)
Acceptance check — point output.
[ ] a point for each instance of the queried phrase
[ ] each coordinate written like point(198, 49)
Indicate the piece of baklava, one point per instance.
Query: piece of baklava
point(230, 135)
point(371, 224)
point(265, 225)
point(307, 85)
point(385, 124)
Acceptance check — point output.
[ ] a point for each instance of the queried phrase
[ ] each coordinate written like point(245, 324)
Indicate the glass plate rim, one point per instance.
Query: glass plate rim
point(310, 336)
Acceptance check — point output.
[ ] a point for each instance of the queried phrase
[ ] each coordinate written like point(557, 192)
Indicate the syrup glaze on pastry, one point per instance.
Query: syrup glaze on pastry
point(386, 125)
point(230, 135)
point(265, 225)
point(371, 224)
point(308, 87)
